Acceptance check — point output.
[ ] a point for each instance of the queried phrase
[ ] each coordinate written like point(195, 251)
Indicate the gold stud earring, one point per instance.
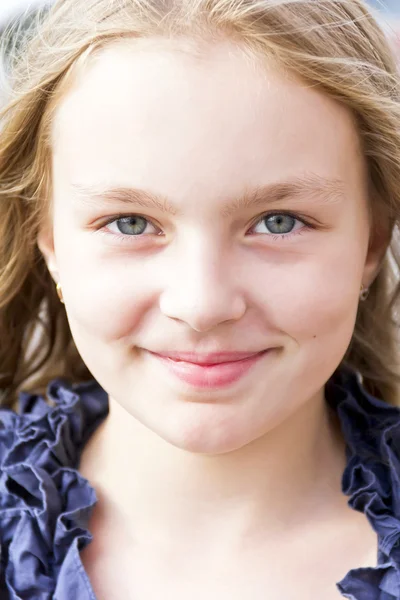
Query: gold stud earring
point(364, 293)
point(59, 292)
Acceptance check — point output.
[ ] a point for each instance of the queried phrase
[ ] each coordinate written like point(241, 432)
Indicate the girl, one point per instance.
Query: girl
point(199, 298)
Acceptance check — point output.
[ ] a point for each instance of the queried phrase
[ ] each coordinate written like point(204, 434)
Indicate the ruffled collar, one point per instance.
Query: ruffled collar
point(45, 504)
point(371, 479)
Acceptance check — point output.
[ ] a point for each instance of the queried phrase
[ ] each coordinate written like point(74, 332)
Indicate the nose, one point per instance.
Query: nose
point(203, 291)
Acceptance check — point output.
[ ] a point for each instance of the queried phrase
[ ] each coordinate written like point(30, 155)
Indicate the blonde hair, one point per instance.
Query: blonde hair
point(335, 45)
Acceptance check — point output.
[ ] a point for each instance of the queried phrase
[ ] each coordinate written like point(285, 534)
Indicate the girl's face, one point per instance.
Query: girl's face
point(207, 204)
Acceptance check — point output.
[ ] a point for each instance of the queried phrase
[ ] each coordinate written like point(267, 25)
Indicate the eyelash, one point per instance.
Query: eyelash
point(125, 238)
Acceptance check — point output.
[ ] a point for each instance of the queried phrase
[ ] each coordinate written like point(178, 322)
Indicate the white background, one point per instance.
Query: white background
point(9, 8)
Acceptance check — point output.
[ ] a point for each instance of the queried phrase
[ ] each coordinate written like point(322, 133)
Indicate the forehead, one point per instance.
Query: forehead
point(154, 113)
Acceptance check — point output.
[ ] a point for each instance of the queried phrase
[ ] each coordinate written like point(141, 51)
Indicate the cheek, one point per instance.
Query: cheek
point(317, 306)
point(108, 309)
point(105, 298)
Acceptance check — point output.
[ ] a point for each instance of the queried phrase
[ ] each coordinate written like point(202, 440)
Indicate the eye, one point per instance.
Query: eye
point(132, 225)
point(278, 224)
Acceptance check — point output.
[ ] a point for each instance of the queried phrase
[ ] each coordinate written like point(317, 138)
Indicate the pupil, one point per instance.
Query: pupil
point(132, 225)
point(280, 223)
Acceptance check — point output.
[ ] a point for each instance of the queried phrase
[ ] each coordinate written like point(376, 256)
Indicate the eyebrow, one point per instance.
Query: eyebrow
point(313, 187)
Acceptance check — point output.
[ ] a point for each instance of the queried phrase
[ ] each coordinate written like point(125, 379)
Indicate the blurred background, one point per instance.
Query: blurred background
point(11, 8)
point(387, 6)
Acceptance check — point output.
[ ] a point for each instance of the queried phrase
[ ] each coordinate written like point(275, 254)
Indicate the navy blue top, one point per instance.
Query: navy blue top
point(45, 504)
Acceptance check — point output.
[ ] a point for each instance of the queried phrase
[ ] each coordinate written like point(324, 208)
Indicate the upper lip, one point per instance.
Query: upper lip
point(208, 358)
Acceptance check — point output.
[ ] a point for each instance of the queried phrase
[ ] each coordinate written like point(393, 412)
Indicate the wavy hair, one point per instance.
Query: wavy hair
point(335, 45)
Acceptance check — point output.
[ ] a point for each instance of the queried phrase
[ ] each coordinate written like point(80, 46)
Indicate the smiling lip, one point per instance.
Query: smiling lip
point(213, 370)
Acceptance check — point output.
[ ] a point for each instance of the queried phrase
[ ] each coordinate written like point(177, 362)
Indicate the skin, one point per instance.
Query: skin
point(224, 472)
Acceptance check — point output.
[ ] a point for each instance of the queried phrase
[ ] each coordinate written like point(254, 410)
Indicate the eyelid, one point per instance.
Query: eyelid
point(287, 213)
point(307, 222)
point(117, 217)
point(259, 218)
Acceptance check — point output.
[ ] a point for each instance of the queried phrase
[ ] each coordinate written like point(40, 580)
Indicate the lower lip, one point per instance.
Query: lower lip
point(210, 376)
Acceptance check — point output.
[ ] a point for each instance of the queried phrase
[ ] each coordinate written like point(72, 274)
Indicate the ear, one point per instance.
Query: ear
point(380, 237)
point(45, 242)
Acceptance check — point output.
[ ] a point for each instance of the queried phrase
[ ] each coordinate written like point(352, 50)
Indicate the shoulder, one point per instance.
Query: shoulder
point(51, 431)
point(371, 429)
point(45, 503)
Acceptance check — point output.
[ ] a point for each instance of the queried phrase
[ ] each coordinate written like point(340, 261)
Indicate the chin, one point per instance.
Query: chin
point(208, 436)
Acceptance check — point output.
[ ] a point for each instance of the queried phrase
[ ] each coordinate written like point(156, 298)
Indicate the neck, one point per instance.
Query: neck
point(162, 492)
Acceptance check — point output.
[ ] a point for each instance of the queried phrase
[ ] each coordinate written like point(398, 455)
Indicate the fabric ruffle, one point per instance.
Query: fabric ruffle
point(371, 479)
point(45, 504)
